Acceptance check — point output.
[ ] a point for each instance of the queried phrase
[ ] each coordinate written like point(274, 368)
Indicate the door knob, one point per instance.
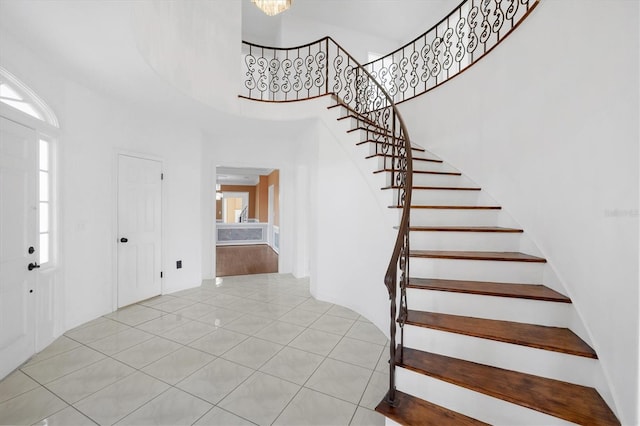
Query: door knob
point(123, 240)
point(33, 266)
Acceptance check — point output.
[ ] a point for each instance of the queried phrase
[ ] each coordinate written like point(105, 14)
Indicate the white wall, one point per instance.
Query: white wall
point(353, 233)
point(548, 125)
point(194, 45)
point(93, 129)
point(335, 224)
point(249, 142)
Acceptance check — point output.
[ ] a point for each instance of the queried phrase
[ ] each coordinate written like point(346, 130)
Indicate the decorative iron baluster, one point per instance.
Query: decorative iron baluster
point(316, 69)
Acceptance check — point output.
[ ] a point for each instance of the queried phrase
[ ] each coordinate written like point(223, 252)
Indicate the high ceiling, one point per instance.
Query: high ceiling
point(92, 41)
point(398, 20)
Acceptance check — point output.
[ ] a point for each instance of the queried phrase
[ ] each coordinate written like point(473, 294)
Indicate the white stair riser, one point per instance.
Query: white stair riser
point(368, 135)
point(453, 181)
point(422, 179)
point(487, 241)
point(437, 197)
point(539, 362)
point(448, 197)
point(354, 122)
point(473, 404)
point(477, 270)
point(371, 148)
point(431, 166)
point(553, 314)
point(387, 163)
point(453, 217)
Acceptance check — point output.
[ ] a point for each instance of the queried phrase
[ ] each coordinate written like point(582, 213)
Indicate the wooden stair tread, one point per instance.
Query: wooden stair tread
point(465, 229)
point(413, 148)
point(554, 339)
point(410, 410)
point(440, 188)
point(414, 206)
point(431, 160)
point(574, 403)
point(520, 291)
point(426, 172)
point(507, 256)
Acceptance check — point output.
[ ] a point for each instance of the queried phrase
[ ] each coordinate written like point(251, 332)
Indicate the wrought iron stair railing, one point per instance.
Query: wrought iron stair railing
point(459, 40)
point(370, 94)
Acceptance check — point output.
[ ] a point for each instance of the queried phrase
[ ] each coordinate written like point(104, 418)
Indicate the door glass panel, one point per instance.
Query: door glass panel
point(44, 217)
point(44, 186)
point(44, 155)
point(23, 106)
point(44, 248)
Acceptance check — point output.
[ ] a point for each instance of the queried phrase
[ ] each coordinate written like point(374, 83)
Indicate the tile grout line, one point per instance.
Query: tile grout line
point(244, 313)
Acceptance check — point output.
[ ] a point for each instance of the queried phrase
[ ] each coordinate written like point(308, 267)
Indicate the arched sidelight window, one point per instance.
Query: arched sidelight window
point(18, 96)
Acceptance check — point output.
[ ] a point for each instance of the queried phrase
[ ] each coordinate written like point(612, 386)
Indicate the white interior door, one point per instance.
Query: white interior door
point(139, 229)
point(18, 237)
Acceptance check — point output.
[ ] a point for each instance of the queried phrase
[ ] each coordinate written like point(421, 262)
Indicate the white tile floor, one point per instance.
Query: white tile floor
point(248, 350)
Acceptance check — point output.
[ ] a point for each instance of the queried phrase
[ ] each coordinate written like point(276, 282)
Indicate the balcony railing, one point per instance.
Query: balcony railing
point(448, 48)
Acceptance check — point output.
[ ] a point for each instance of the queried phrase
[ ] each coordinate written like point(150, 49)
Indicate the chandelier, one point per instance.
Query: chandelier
point(272, 7)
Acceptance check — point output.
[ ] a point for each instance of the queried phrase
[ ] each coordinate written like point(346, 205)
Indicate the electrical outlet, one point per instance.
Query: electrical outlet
point(179, 264)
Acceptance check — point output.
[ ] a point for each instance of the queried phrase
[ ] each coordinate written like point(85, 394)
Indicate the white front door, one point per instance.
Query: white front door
point(18, 244)
point(139, 229)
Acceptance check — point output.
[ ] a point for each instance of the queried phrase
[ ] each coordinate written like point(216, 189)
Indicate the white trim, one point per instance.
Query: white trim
point(263, 227)
point(53, 231)
point(275, 242)
point(48, 115)
point(271, 194)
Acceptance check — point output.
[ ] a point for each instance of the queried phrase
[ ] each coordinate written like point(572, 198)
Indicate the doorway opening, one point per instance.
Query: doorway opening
point(247, 221)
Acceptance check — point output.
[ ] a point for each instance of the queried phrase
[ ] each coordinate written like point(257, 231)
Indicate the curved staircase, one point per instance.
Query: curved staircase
point(476, 337)
point(472, 295)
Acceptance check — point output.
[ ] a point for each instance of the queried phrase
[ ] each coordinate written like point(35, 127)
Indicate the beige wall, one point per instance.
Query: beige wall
point(274, 179)
point(233, 204)
point(262, 198)
point(252, 190)
point(258, 198)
